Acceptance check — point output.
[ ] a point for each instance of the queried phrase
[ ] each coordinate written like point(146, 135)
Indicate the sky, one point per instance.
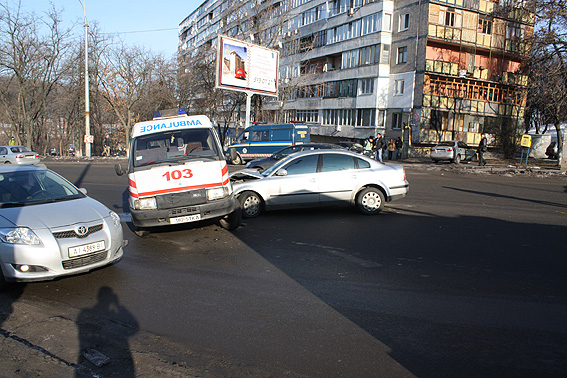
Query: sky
point(152, 24)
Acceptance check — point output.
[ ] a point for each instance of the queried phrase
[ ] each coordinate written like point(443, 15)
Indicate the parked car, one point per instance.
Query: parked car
point(261, 140)
point(551, 151)
point(265, 163)
point(320, 178)
point(352, 146)
point(453, 150)
point(18, 155)
point(49, 228)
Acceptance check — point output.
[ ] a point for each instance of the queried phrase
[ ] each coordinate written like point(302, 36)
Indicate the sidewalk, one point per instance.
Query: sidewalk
point(45, 342)
point(494, 165)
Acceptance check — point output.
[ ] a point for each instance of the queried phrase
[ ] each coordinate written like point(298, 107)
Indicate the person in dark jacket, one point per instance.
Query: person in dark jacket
point(482, 147)
point(379, 144)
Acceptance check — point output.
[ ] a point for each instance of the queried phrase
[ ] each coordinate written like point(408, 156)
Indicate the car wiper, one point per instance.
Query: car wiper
point(11, 204)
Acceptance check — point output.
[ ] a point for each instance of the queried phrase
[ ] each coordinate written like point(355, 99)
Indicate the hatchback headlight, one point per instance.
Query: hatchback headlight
point(148, 203)
point(217, 193)
point(115, 218)
point(19, 235)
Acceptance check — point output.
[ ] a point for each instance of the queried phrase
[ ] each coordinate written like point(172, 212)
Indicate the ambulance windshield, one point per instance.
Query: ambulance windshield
point(176, 145)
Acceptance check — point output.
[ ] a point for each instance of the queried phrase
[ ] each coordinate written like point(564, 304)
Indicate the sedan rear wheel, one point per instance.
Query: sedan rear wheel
point(251, 204)
point(370, 201)
point(457, 159)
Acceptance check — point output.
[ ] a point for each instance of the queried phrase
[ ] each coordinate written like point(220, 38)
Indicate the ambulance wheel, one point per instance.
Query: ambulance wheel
point(232, 221)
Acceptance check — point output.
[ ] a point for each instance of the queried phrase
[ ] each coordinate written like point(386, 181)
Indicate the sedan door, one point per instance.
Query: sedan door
point(297, 187)
point(3, 155)
point(337, 179)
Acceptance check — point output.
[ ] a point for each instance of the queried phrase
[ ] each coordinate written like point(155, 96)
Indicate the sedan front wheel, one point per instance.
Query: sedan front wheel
point(370, 201)
point(251, 204)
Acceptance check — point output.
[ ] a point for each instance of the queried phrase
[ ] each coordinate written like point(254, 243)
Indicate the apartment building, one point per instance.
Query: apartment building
point(428, 70)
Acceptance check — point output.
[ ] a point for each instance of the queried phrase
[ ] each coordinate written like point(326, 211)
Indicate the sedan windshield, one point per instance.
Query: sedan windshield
point(174, 146)
point(26, 187)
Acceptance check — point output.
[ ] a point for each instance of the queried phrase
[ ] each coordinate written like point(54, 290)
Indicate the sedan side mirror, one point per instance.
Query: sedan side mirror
point(119, 170)
point(281, 172)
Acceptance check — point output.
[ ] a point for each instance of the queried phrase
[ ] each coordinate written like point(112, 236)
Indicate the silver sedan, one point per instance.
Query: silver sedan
point(49, 228)
point(18, 155)
point(320, 178)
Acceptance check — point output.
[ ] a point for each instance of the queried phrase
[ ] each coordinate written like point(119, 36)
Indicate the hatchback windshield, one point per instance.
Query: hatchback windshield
point(174, 146)
point(25, 187)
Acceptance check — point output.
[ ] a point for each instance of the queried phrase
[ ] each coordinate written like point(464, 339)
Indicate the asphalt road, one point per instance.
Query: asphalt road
point(466, 277)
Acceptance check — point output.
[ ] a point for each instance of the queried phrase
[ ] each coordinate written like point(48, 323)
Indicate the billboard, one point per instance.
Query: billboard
point(246, 67)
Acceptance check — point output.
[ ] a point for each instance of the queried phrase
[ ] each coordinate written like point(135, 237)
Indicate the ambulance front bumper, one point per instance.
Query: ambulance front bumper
point(184, 214)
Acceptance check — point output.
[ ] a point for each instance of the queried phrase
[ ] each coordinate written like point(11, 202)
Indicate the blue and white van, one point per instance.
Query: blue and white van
point(258, 141)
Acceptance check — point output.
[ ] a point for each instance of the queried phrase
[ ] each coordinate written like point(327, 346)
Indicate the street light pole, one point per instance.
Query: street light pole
point(87, 113)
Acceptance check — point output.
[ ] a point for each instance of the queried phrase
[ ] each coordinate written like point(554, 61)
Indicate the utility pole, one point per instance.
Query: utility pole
point(88, 138)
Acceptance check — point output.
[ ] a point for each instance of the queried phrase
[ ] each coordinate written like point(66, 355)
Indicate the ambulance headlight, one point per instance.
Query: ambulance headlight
point(148, 203)
point(217, 193)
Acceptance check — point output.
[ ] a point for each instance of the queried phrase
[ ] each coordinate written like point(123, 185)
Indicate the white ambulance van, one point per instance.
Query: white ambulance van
point(177, 173)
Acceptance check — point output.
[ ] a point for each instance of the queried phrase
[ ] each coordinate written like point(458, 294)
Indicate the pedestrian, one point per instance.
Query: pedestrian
point(12, 141)
point(391, 149)
point(482, 147)
point(106, 145)
point(379, 145)
point(368, 146)
point(399, 146)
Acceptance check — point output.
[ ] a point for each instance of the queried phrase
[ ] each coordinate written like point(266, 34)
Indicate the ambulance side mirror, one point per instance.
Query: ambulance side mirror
point(119, 170)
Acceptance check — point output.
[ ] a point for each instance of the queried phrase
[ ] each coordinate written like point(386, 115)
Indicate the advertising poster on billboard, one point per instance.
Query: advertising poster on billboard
point(247, 67)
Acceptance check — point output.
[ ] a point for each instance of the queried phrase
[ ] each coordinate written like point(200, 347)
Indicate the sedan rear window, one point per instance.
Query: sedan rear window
point(336, 162)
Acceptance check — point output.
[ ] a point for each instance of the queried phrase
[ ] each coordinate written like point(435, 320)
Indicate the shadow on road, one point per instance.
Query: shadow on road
point(458, 293)
point(104, 331)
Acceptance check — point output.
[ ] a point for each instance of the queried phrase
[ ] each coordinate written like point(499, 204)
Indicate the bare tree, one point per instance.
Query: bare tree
point(125, 77)
point(32, 51)
point(548, 74)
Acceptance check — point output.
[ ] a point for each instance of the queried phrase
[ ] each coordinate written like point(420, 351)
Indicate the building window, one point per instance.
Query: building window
point(365, 117)
point(385, 58)
point(484, 26)
point(397, 121)
point(402, 54)
point(387, 22)
point(404, 22)
point(381, 121)
point(366, 86)
point(449, 19)
point(399, 87)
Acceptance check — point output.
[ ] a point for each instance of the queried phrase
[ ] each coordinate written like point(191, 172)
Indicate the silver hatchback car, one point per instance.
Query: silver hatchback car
point(18, 155)
point(320, 178)
point(49, 228)
point(454, 151)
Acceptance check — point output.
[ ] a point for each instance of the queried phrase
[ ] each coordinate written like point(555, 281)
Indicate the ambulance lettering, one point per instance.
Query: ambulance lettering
point(178, 174)
point(173, 124)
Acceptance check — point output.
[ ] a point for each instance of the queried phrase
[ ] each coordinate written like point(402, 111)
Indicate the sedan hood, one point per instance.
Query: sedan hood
point(246, 173)
point(52, 215)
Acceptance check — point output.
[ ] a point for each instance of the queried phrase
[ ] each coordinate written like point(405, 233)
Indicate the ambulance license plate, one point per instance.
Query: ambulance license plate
point(86, 248)
point(185, 219)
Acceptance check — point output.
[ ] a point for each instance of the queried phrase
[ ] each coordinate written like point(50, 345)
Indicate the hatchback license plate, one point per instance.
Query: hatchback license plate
point(185, 219)
point(87, 248)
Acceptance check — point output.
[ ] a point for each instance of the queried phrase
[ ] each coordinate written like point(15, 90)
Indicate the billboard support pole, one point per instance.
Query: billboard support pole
point(249, 95)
